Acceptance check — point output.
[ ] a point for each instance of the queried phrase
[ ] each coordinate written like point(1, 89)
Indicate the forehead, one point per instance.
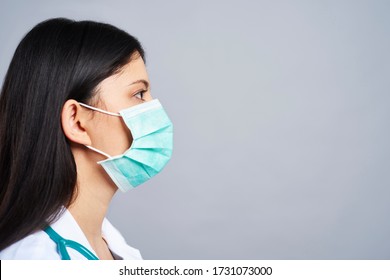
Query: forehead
point(133, 71)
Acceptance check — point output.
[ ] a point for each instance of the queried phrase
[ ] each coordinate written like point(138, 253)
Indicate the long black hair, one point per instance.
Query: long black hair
point(59, 59)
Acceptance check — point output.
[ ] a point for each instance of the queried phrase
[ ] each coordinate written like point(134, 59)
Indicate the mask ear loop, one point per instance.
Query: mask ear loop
point(100, 110)
point(98, 151)
point(104, 112)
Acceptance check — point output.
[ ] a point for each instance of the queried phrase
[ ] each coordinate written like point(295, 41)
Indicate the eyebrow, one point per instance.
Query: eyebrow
point(140, 81)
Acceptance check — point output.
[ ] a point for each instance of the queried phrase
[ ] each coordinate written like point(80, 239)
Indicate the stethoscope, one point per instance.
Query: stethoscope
point(62, 243)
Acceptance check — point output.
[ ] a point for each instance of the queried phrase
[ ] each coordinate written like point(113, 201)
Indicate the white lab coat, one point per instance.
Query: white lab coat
point(39, 246)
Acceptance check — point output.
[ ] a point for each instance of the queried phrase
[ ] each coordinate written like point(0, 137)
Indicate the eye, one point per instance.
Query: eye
point(140, 94)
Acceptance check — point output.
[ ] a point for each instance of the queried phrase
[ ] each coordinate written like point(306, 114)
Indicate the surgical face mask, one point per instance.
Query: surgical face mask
point(150, 151)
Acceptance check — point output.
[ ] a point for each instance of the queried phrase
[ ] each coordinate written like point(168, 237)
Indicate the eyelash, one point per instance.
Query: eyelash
point(141, 92)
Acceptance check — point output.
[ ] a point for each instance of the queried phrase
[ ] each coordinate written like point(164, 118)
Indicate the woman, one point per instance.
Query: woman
point(75, 98)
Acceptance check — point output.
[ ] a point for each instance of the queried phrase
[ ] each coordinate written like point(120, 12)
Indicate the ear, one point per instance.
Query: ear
point(73, 120)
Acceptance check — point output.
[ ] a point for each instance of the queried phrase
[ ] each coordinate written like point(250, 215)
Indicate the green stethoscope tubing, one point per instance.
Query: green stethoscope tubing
point(62, 243)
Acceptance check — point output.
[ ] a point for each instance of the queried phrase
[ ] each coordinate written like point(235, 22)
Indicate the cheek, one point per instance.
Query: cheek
point(127, 137)
point(113, 136)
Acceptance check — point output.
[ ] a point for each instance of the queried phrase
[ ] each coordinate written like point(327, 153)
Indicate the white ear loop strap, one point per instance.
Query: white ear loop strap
point(98, 151)
point(100, 110)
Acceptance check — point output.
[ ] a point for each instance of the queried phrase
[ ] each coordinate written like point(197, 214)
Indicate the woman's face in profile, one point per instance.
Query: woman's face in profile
point(120, 91)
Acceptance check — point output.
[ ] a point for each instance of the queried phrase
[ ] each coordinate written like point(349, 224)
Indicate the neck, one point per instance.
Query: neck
point(89, 210)
point(93, 196)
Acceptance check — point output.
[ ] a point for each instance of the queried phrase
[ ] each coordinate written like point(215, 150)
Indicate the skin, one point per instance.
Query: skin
point(109, 134)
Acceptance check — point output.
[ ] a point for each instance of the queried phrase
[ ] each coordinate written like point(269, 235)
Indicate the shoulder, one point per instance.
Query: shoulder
point(36, 246)
point(117, 243)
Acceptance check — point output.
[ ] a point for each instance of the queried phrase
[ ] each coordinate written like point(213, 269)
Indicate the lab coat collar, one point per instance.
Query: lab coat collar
point(67, 227)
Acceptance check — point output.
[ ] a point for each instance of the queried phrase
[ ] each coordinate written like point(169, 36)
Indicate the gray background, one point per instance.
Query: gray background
point(281, 114)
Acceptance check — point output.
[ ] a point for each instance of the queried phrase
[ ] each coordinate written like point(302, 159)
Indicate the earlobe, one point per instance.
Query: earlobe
point(73, 123)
